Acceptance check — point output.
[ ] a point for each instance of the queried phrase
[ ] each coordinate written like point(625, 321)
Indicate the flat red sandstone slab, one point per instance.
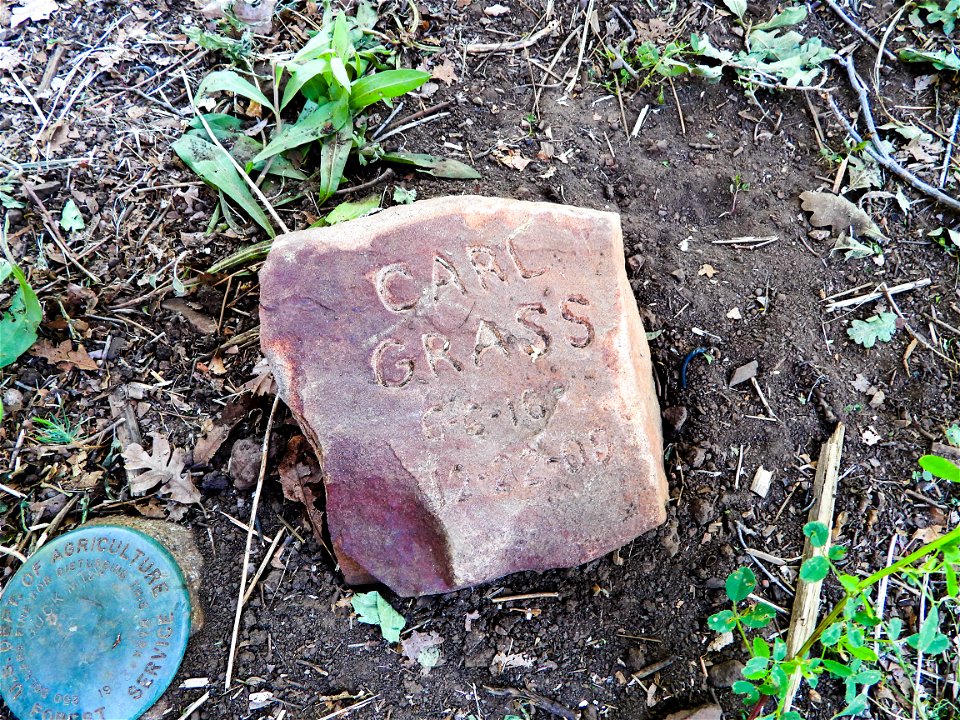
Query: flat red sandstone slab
point(475, 378)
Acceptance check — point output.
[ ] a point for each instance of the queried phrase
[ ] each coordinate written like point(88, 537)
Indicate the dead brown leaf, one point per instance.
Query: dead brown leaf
point(262, 382)
point(445, 72)
point(708, 270)
point(302, 480)
point(64, 356)
point(215, 432)
point(514, 160)
point(164, 467)
point(704, 712)
point(839, 213)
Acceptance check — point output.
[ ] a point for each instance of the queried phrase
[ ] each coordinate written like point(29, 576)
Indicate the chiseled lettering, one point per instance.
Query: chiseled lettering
point(379, 366)
point(572, 317)
point(484, 262)
point(534, 350)
point(489, 337)
point(384, 285)
point(525, 272)
point(445, 277)
point(436, 347)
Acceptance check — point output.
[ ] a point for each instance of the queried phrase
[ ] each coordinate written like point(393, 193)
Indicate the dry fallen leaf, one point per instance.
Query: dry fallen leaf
point(704, 712)
point(517, 162)
point(870, 436)
point(734, 314)
point(708, 270)
point(32, 10)
point(302, 480)
point(839, 213)
point(445, 73)
point(215, 432)
point(163, 467)
point(423, 648)
point(63, 356)
point(9, 58)
point(262, 382)
point(504, 661)
point(496, 10)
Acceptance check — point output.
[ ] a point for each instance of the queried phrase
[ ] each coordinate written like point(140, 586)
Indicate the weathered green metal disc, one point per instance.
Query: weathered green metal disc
point(93, 626)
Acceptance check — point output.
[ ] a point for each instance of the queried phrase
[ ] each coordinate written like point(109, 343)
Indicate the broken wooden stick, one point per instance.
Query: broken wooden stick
point(876, 295)
point(477, 48)
point(806, 606)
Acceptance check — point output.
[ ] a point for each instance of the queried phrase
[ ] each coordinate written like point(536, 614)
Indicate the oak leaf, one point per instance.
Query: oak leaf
point(64, 356)
point(164, 466)
point(839, 213)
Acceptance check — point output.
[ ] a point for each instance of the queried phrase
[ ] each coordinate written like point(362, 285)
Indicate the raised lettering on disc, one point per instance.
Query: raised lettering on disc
point(92, 627)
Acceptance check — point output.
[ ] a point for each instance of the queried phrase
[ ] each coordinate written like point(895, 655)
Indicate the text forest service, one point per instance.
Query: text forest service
point(475, 378)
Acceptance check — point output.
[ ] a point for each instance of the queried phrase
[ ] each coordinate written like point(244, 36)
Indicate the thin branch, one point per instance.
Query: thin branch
point(892, 166)
point(246, 554)
point(478, 48)
point(859, 30)
point(385, 175)
point(906, 326)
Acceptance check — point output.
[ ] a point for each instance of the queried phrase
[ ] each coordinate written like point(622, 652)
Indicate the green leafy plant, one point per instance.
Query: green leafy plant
point(947, 15)
point(70, 218)
point(952, 434)
point(319, 99)
point(19, 321)
point(771, 58)
point(838, 647)
point(940, 59)
point(237, 50)
point(372, 609)
point(7, 188)
point(876, 327)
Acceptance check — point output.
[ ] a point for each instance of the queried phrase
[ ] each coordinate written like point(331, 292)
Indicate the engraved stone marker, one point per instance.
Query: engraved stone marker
point(475, 378)
point(92, 627)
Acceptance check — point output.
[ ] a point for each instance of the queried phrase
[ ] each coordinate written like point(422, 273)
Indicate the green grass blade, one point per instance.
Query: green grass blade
point(434, 165)
point(18, 326)
point(333, 159)
point(319, 123)
point(230, 81)
point(385, 85)
point(214, 167)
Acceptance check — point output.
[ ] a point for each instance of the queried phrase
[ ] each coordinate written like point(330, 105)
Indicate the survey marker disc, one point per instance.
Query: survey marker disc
point(92, 627)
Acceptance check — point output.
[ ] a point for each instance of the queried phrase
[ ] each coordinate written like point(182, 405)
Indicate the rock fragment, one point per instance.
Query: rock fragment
point(474, 376)
point(744, 373)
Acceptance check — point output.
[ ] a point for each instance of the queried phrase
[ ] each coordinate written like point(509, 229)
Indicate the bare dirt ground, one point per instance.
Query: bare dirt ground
point(92, 99)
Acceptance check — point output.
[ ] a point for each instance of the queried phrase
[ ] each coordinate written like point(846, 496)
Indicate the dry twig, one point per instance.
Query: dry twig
point(264, 453)
point(873, 146)
point(478, 48)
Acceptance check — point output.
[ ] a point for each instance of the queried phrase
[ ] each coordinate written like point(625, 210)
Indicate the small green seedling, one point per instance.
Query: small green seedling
point(773, 57)
point(737, 186)
point(842, 645)
point(56, 431)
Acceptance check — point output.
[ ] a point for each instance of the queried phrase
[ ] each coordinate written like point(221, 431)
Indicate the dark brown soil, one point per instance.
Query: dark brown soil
point(646, 605)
